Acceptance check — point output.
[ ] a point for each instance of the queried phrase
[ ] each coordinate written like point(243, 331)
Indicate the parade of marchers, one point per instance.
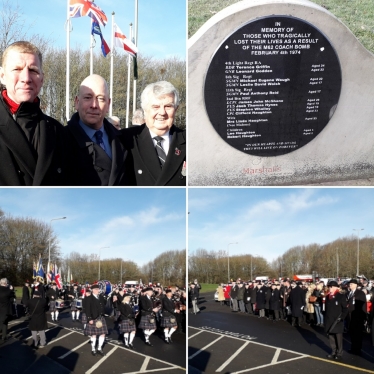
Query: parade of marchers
point(337, 308)
point(150, 308)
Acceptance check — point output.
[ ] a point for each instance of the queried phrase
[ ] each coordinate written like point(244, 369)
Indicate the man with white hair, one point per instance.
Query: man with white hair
point(6, 298)
point(157, 148)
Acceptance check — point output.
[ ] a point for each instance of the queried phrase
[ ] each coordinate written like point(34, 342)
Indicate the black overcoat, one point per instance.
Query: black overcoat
point(6, 299)
point(261, 298)
point(94, 307)
point(297, 301)
point(38, 317)
point(274, 302)
point(335, 306)
point(143, 161)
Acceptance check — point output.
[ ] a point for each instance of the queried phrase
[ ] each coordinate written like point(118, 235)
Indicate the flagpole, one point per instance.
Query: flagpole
point(92, 42)
point(68, 25)
point(128, 84)
point(111, 68)
point(136, 43)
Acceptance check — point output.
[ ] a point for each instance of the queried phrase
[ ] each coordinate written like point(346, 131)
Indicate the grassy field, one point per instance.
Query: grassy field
point(207, 287)
point(357, 15)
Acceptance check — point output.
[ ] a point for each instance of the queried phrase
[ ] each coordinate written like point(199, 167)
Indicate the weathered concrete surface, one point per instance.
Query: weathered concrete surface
point(343, 151)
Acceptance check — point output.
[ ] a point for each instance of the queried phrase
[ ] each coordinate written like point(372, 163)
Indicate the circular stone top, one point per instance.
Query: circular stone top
point(272, 86)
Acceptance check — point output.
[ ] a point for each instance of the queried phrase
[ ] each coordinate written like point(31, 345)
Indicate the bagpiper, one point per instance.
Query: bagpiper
point(127, 325)
point(52, 296)
point(73, 295)
point(168, 319)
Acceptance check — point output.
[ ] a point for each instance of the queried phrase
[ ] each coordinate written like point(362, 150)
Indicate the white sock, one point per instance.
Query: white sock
point(151, 332)
point(146, 334)
point(126, 338)
point(101, 341)
point(93, 342)
point(53, 316)
point(171, 331)
point(132, 336)
point(77, 314)
point(56, 315)
point(73, 315)
point(166, 332)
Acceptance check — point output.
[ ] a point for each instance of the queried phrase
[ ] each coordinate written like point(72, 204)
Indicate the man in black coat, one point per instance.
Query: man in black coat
point(157, 148)
point(38, 319)
point(336, 311)
point(25, 296)
point(6, 298)
point(297, 303)
point(96, 156)
point(261, 300)
point(356, 316)
point(31, 143)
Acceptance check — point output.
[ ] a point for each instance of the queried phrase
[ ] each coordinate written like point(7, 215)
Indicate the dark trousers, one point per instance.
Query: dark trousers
point(356, 333)
point(4, 326)
point(336, 343)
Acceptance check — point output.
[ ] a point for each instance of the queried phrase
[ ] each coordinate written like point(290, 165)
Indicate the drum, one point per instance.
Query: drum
point(59, 303)
point(78, 303)
point(105, 287)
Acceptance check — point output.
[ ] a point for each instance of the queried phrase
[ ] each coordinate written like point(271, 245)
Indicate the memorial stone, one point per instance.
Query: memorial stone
point(280, 92)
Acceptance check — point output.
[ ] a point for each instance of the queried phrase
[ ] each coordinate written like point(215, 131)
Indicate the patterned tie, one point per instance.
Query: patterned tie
point(99, 139)
point(160, 151)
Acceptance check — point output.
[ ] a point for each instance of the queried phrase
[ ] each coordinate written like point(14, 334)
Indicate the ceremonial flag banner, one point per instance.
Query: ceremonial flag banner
point(81, 8)
point(97, 30)
point(34, 270)
point(40, 272)
point(58, 278)
point(122, 42)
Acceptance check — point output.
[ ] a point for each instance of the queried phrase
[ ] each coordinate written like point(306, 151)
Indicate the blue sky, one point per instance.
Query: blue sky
point(269, 221)
point(161, 24)
point(137, 224)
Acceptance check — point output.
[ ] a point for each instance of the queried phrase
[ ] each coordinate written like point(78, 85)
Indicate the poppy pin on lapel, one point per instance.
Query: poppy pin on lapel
point(177, 151)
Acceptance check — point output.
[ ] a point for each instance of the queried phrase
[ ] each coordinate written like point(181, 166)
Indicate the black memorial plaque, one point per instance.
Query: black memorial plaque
point(272, 86)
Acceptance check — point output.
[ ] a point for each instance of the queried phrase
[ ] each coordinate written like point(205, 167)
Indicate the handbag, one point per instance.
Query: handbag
point(312, 299)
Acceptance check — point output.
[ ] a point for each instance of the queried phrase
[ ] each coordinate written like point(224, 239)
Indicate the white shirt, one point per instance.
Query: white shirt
point(165, 143)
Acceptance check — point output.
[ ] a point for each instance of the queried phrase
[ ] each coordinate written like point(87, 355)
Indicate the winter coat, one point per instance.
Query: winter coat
point(336, 306)
point(240, 295)
point(38, 317)
point(274, 302)
point(221, 296)
point(297, 301)
point(260, 298)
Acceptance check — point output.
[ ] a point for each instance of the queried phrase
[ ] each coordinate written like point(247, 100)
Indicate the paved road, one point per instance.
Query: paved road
point(222, 341)
point(68, 351)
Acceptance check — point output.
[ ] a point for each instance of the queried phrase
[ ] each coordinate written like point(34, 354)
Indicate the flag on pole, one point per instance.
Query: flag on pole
point(122, 42)
point(81, 8)
point(135, 63)
point(97, 30)
point(34, 270)
point(40, 271)
point(58, 278)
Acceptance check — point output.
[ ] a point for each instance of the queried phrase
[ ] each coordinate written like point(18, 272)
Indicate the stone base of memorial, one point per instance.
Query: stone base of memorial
point(279, 93)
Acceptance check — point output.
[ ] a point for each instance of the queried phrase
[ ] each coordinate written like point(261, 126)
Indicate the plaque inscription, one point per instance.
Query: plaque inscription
point(272, 86)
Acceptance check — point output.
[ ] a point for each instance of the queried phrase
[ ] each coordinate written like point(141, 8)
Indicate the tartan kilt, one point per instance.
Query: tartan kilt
point(84, 318)
point(145, 324)
point(165, 322)
point(93, 330)
point(125, 326)
point(52, 306)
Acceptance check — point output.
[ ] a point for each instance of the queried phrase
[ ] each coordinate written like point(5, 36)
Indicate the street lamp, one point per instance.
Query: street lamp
point(228, 262)
point(358, 249)
point(49, 241)
point(100, 259)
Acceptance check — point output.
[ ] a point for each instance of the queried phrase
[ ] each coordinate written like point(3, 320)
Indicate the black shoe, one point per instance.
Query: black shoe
point(93, 353)
point(126, 345)
point(100, 352)
point(149, 343)
point(170, 341)
point(131, 346)
point(167, 341)
point(338, 358)
point(330, 356)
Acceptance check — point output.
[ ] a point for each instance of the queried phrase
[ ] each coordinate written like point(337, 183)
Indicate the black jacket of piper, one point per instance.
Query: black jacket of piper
point(21, 164)
point(126, 311)
point(94, 307)
point(168, 307)
point(145, 305)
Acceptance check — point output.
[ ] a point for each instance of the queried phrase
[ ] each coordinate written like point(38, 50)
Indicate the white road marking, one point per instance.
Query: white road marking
point(203, 349)
point(232, 357)
point(61, 337)
point(72, 350)
point(276, 356)
point(98, 363)
point(271, 364)
point(195, 334)
point(161, 369)
point(145, 364)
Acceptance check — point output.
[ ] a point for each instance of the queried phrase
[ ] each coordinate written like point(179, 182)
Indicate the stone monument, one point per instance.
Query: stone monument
point(279, 93)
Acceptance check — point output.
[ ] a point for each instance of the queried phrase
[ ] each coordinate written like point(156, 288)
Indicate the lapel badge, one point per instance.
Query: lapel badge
point(184, 169)
point(177, 151)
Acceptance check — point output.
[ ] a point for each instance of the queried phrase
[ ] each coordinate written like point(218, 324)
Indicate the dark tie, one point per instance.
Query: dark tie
point(99, 139)
point(160, 151)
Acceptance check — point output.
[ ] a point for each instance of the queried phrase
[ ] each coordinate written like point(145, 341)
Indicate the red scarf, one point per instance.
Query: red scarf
point(13, 107)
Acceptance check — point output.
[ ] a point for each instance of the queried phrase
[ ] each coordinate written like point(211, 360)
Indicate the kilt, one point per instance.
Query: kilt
point(52, 306)
point(146, 325)
point(73, 306)
point(165, 322)
point(125, 326)
point(84, 318)
point(93, 330)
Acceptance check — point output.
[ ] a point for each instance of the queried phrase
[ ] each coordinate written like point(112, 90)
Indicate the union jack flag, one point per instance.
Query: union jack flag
point(81, 8)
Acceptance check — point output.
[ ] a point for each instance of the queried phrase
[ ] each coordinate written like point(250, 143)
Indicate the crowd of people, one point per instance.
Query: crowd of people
point(37, 150)
point(337, 307)
point(131, 307)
